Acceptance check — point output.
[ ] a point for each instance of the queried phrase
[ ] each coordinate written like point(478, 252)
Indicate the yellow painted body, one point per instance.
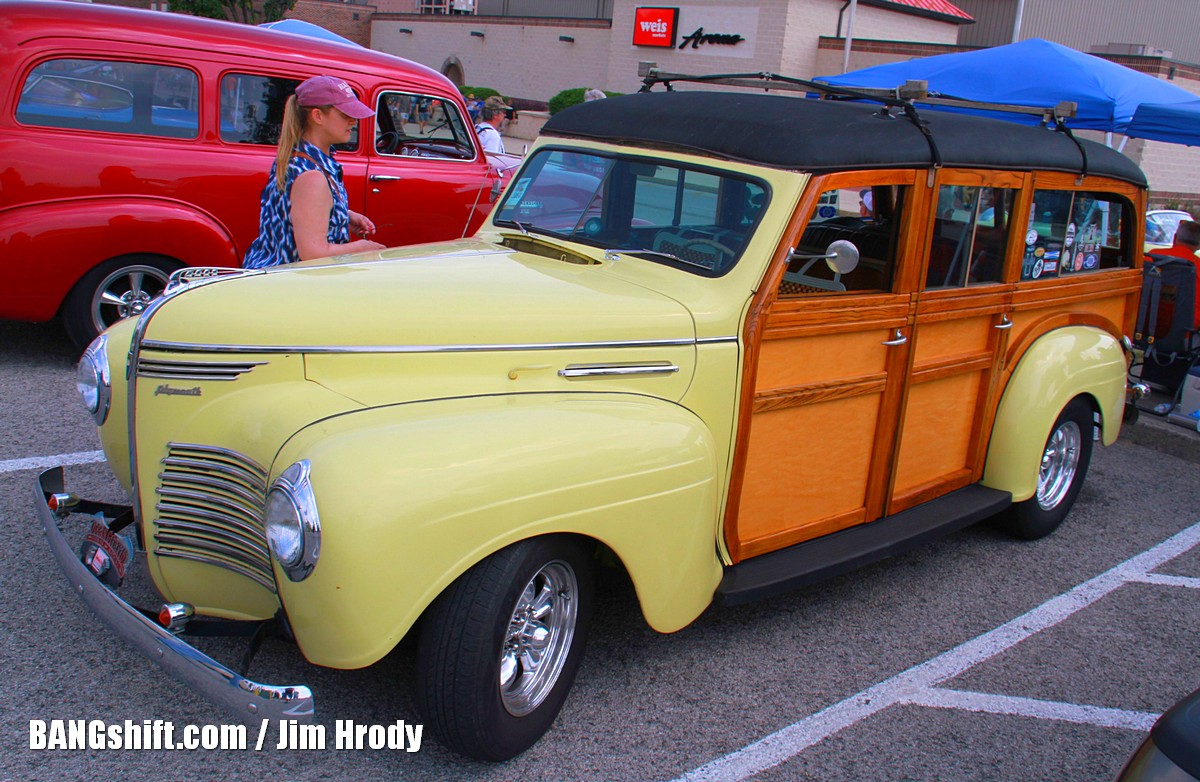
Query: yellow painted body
point(1059, 366)
point(412, 496)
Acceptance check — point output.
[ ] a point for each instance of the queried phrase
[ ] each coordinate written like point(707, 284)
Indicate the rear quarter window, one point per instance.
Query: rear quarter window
point(1077, 232)
point(113, 96)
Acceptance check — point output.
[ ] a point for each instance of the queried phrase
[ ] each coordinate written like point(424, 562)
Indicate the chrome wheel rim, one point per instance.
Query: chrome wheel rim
point(125, 293)
point(1060, 461)
point(538, 639)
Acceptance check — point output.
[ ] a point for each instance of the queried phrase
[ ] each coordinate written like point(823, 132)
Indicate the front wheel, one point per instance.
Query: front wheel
point(499, 648)
point(1064, 465)
point(116, 289)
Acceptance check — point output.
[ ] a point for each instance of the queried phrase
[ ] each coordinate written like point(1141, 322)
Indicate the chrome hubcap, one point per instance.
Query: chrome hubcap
point(1059, 463)
point(126, 293)
point(538, 639)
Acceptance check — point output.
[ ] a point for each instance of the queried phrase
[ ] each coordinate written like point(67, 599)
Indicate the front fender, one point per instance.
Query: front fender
point(1057, 367)
point(410, 496)
point(46, 248)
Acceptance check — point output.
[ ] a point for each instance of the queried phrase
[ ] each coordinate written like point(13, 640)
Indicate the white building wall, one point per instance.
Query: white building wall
point(521, 60)
point(526, 59)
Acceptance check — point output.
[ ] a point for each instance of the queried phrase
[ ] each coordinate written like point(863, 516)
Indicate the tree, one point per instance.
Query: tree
point(244, 11)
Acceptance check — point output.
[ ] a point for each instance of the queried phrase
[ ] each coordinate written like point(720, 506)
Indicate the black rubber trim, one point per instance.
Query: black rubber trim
point(1177, 734)
point(815, 560)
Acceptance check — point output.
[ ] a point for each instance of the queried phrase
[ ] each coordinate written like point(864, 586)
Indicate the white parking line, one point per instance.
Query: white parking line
point(1171, 581)
point(918, 685)
point(989, 703)
point(46, 462)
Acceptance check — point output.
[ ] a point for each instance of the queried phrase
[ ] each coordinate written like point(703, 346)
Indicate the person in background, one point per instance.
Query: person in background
point(594, 94)
point(304, 212)
point(488, 127)
point(1187, 242)
point(473, 106)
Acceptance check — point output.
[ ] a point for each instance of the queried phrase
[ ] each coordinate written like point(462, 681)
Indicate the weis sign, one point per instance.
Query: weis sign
point(655, 27)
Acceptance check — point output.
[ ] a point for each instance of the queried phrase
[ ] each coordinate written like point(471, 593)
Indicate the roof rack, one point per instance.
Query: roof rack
point(912, 91)
point(904, 97)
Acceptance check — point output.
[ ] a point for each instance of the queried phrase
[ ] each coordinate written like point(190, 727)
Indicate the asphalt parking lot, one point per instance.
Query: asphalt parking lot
point(976, 658)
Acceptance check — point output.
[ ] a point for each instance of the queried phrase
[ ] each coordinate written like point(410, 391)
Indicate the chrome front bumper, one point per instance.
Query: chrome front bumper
point(235, 693)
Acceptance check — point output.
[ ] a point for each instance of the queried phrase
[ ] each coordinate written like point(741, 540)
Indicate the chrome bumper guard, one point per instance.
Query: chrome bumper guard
point(212, 680)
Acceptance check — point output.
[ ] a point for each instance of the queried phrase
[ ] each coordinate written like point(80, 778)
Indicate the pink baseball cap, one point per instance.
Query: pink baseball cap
point(330, 91)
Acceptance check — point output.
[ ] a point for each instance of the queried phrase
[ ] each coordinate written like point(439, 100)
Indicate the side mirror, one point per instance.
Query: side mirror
point(498, 186)
point(841, 257)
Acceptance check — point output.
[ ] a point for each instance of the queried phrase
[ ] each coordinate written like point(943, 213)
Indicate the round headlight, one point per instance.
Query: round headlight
point(87, 382)
point(293, 527)
point(92, 379)
point(285, 532)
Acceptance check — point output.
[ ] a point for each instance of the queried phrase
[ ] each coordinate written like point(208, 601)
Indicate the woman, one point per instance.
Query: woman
point(304, 212)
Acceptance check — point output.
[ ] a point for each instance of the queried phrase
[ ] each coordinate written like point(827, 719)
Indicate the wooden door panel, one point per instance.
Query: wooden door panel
point(814, 462)
point(808, 470)
point(936, 446)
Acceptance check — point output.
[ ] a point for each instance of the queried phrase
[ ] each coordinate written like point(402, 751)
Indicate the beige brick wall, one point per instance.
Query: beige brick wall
point(524, 60)
point(348, 21)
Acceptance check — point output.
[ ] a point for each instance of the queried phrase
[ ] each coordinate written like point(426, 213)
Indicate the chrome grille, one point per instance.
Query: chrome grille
point(210, 510)
point(194, 370)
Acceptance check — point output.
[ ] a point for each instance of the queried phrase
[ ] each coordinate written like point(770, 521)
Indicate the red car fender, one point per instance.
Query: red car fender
point(47, 247)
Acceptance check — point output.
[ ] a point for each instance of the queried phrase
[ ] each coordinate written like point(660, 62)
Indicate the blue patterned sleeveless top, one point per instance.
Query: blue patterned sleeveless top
point(276, 242)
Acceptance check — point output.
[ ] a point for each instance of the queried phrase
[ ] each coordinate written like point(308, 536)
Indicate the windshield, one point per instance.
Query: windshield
point(692, 218)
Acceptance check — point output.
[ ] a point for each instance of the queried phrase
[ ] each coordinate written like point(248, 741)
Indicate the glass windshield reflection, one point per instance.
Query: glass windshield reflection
point(691, 218)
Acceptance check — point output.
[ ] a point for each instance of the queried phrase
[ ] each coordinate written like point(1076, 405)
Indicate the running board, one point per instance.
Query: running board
point(849, 549)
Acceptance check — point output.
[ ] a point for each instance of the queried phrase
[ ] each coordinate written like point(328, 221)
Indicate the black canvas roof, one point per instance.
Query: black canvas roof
point(823, 135)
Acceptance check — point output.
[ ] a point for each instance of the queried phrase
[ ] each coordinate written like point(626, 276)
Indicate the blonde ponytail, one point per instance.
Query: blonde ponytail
point(289, 136)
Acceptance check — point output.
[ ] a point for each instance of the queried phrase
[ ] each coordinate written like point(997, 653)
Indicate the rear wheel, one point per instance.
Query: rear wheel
point(116, 289)
point(1064, 465)
point(500, 647)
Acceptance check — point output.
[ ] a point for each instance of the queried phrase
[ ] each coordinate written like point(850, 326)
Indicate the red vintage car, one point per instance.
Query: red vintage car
point(134, 143)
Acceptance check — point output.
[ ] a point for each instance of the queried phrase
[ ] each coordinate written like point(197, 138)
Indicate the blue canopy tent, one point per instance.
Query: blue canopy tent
point(1040, 73)
point(301, 27)
point(1175, 122)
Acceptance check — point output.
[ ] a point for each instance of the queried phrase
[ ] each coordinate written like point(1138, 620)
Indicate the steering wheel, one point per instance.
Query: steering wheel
point(386, 142)
point(722, 248)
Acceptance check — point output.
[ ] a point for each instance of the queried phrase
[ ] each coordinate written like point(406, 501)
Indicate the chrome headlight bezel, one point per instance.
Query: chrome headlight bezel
point(93, 379)
point(291, 522)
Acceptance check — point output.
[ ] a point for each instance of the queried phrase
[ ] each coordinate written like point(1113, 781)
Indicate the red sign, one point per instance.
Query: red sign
point(655, 27)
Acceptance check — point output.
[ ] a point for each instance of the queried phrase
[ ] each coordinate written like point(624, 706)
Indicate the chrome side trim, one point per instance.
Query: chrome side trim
point(199, 347)
point(195, 370)
point(576, 371)
point(210, 679)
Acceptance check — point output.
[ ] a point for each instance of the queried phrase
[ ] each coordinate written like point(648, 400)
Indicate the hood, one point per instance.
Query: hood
point(464, 293)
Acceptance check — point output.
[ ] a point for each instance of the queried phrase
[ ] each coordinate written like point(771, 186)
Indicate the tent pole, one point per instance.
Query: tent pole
point(1017, 21)
point(849, 36)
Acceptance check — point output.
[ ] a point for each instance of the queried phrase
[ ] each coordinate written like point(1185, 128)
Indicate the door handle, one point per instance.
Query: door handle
point(1004, 323)
point(383, 178)
point(897, 339)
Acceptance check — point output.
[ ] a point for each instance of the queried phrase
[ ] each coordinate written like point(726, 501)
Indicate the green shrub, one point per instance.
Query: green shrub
point(482, 93)
point(568, 98)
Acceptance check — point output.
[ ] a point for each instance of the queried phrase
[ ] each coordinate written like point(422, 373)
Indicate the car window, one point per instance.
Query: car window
point(414, 125)
point(110, 95)
point(251, 109)
point(1072, 232)
point(691, 218)
point(1155, 232)
point(970, 234)
point(867, 217)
